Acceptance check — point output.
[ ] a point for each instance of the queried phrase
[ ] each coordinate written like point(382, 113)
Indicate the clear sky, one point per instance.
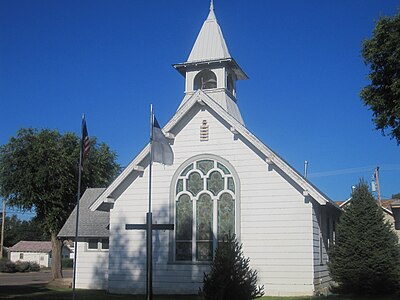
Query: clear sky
point(111, 59)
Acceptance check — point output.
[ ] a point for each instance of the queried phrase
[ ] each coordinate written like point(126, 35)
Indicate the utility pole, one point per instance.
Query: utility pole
point(3, 217)
point(376, 174)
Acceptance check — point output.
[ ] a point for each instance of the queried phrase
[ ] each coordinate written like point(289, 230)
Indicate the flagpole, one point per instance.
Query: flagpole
point(149, 219)
point(77, 213)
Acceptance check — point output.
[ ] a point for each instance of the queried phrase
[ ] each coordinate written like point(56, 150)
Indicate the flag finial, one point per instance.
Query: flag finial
point(212, 5)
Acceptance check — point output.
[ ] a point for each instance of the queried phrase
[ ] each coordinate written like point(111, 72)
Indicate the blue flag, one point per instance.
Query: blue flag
point(161, 149)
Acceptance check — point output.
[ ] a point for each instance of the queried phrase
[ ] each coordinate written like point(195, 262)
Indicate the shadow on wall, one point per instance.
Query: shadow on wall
point(126, 262)
point(123, 270)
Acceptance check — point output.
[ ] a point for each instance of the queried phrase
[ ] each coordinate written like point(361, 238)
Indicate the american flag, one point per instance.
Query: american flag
point(85, 141)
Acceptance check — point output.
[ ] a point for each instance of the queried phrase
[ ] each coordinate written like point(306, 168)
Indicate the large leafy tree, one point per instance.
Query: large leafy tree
point(39, 170)
point(16, 230)
point(382, 54)
point(365, 258)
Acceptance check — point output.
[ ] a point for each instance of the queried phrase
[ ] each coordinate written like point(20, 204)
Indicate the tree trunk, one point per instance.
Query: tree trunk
point(56, 246)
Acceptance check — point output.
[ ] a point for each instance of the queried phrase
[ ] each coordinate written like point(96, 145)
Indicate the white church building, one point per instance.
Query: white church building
point(223, 179)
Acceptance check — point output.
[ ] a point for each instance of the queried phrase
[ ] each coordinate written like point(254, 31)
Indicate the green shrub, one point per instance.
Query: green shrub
point(231, 277)
point(7, 266)
point(67, 263)
point(34, 266)
point(22, 266)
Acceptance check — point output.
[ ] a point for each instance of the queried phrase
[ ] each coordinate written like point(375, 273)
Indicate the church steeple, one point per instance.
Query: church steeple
point(210, 43)
point(211, 68)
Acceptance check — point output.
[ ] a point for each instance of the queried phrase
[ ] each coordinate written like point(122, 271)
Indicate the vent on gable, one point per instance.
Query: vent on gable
point(204, 131)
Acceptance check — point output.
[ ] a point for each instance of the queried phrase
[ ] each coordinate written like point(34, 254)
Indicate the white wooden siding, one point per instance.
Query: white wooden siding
point(275, 221)
point(92, 268)
point(43, 259)
point(321, 215)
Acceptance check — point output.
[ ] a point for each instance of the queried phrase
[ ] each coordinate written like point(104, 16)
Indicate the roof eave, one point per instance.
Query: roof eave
point(203, 98)
point(240, 74)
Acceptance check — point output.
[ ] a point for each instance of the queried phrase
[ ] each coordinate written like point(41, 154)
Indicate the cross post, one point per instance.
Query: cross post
point(149, 227)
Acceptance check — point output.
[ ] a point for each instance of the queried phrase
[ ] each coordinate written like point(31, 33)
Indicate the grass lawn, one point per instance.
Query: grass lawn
point(41, 292)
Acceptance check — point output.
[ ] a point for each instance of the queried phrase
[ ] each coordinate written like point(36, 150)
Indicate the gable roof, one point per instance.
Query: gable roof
point(31, 246)
point(91, 223)
point(201, 98)
point(386, 204)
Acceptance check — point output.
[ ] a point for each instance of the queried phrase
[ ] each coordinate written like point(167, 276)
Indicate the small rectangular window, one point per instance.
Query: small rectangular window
point(21, 256)
point(105, 244)
point(92, 244)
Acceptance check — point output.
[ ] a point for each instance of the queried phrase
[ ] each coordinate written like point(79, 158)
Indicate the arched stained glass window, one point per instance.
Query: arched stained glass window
point(215, 183)
point(194, 183)
point(184, 221)
point(204, 221)
point(205, 209)
point(226, 216)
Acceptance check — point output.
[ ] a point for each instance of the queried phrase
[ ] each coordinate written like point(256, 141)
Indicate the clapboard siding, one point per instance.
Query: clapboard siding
point(322, 236)
point(41, 258)
point(92, 268)
point(276, 226)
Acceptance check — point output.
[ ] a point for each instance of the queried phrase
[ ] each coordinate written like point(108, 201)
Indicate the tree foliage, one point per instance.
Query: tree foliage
point(16, 230)
point(39, 170)
point(231, 277)
point(382, 54)
point(365, 258)
point(396, 196)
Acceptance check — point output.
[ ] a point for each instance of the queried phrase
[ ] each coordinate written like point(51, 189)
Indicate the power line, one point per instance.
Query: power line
point(384, 167)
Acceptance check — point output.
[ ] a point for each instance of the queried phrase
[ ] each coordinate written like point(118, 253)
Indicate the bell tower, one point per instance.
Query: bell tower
point(211, 68)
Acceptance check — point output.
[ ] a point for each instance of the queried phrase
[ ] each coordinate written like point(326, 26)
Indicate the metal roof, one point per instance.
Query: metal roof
point(210, 43)
point(91, 223)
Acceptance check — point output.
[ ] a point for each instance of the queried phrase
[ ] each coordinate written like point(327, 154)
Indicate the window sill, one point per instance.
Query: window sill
point(206, 263)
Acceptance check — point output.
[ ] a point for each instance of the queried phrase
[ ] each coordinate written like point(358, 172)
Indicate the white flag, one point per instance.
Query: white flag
point(161, 150)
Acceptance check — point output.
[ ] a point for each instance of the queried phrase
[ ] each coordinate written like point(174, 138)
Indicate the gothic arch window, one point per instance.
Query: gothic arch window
point(204, 80)
point(204, 202)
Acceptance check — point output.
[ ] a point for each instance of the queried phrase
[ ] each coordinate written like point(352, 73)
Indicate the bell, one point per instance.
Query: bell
point(210, 84)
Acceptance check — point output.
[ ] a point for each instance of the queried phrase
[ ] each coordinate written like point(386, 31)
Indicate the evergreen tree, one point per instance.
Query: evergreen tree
point(366, 256)
point(231, 277)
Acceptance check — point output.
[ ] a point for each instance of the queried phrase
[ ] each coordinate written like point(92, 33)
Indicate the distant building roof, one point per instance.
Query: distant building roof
point(396, 203)
point(386, 204)
point(31, 246)
point(91, 223)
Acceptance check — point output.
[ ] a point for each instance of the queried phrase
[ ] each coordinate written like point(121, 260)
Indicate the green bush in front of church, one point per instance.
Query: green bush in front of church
point(365, 258)
point(231, 276)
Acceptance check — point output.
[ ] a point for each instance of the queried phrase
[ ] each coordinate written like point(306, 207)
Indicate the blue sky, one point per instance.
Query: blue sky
point(111, 59)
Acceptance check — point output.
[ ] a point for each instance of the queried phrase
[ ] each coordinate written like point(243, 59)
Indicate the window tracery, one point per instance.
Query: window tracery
point(205, 209)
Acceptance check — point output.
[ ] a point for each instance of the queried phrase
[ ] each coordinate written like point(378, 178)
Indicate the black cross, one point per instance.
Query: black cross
point(153, 226)
point(149, 227)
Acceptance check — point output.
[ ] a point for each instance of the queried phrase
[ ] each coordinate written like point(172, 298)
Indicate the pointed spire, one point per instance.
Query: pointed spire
point(211, 15)
point(210, 43)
